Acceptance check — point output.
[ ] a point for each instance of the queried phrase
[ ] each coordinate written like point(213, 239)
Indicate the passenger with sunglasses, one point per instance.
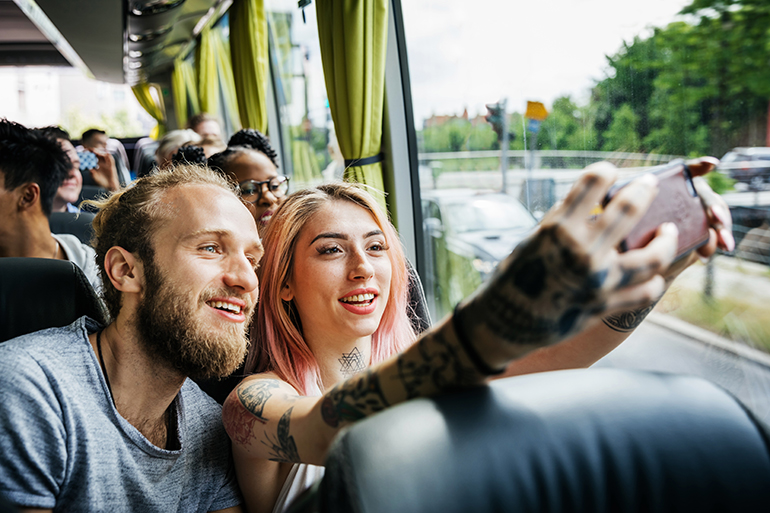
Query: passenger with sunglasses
point(252, 162)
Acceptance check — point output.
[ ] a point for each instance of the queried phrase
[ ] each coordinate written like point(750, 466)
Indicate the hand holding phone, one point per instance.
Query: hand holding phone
point(88, 160)
point(678, 202)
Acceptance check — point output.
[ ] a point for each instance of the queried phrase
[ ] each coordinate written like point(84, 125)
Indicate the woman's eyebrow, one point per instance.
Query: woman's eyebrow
point(373, 233)
point(329, 235)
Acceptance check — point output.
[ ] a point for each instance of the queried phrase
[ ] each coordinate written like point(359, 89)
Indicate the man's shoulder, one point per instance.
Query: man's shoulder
point(51, 345)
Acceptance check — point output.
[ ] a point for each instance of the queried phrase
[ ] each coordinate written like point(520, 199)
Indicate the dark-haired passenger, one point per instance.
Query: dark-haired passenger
point(32, 168)
point(68, 193)
point(106, 172)
point(251, 161)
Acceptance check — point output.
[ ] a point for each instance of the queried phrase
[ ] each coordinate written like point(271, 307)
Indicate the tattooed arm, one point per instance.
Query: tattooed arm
point(272, 426)
point(590, 345)
point(562, 280)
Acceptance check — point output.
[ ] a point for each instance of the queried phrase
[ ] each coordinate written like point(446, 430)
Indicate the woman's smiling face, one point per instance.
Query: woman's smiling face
point(340, 281)
point(254, 165)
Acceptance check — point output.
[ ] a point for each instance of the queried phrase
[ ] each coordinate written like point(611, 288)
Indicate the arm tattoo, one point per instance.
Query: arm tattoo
point(438, 364)
point(628, 321)
point(255, 395)
point(546, 293)
point(351, 363)
point(353, 399)
point(282, 447)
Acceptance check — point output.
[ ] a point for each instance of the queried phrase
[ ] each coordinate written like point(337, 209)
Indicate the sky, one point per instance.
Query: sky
point(466, 53)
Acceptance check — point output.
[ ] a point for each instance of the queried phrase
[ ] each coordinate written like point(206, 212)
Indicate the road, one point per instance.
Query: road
point(667, 345)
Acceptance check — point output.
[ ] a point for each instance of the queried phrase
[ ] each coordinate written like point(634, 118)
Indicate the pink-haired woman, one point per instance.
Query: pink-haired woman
point(333, 343)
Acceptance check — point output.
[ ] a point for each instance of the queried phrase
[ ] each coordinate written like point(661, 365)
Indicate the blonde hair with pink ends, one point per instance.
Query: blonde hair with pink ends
point(276, 333)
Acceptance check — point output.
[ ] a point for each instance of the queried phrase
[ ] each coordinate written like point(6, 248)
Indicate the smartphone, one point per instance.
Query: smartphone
point(88, 160)
point(678, 202)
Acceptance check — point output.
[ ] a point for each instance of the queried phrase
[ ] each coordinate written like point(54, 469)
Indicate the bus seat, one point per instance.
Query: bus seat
point(40, 293)
point(91, 192)
point(77, 224)
point(595, 440)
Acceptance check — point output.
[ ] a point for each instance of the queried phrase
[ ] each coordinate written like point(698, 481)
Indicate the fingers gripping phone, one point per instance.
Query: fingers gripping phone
point(677, 202)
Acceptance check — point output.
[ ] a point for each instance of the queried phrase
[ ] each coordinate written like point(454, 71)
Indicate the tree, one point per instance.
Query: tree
point(622, 135)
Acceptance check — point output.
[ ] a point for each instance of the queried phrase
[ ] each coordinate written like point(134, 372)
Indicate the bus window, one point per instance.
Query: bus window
point(310, 154)
point(513, 100)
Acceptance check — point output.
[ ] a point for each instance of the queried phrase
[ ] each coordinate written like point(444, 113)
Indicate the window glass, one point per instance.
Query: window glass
point(308, 132)
point(561, 84)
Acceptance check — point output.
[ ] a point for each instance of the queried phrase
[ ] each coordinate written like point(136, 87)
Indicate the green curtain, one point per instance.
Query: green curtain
point(206, 67)
point(226, 82)
point(153, 105)
point(185, 94)
point(353, 36)
point(248, 48)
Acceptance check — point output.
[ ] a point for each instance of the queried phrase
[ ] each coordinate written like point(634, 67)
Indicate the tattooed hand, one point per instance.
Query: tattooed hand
point(569, 273)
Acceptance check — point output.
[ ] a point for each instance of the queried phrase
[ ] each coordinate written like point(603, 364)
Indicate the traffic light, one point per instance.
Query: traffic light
point(495, 118)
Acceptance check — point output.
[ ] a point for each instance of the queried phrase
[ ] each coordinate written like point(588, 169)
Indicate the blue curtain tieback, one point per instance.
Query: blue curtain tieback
point(365, 161)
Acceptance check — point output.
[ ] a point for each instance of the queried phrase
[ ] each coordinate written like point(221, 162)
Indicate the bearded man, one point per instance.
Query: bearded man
point(100, 418)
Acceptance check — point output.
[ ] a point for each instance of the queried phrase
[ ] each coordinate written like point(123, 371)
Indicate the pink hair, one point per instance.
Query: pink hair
point(276, 333)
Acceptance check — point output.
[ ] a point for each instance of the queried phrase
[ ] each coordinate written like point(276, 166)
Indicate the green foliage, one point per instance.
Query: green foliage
point(720, 183)
point(567, 127)
point(695, 88)
point(459, 135)
point(621, 134)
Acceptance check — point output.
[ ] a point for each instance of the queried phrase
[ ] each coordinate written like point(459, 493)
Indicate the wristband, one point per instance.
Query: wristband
point(473, 355)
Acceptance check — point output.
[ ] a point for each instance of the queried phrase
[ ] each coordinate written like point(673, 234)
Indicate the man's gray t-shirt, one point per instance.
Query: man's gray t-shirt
point(63, 445)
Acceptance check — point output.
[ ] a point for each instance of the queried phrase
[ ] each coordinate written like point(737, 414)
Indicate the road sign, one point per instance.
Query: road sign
point(533, 125)
point(536, 111)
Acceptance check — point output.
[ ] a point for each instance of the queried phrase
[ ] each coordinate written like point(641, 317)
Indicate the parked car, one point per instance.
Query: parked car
point(748, 165)
point(469, 233)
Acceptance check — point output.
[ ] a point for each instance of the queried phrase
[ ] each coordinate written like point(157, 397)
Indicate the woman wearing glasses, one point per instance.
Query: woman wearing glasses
point(252, 162)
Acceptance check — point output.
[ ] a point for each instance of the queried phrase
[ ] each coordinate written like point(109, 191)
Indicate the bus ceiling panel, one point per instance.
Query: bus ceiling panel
point(94, 31)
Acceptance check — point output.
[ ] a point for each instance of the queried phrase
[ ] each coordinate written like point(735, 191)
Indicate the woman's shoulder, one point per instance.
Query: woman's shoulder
point(266, 380)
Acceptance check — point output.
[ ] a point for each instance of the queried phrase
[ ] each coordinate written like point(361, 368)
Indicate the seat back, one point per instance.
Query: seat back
point(594, 440)
point(40, 293)
point(77, 224)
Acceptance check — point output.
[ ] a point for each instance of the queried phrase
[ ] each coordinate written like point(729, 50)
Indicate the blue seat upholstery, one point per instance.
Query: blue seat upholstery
point(596, 440)
point(77, 224)
point(40, 293)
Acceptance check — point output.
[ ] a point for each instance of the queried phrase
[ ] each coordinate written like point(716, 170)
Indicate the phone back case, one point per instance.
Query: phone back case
point(676, 202)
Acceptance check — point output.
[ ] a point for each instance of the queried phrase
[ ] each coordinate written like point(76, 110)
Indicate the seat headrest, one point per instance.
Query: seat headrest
point(587, 440)
point(40, 293)
point(77, 224)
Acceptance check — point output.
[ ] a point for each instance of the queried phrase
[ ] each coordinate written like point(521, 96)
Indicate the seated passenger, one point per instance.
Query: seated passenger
point(32, 168)
point(205, 125)
point(106, 172)
point(252, 162)
point(103, 418)
point(333, 288)
point(171, 142)
point(68, 193)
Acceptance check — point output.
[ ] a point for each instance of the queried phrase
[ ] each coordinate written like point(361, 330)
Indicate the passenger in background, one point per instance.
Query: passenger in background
point(205, 125)
point(171, 142)
point(212, 144)
point(32, 168)
point(103, 418)
point(106, 172)
point(68, 194)
point(252, 163)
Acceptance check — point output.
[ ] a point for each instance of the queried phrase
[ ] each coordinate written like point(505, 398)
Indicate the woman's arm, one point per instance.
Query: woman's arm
point(562, 280)
point(592, 344)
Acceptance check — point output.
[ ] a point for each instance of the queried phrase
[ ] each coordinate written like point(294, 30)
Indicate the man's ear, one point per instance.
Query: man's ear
point(29, 196)
point(287, 294)
point(124, 270)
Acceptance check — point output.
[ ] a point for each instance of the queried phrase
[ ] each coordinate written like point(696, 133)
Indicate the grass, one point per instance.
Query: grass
point(740, 321)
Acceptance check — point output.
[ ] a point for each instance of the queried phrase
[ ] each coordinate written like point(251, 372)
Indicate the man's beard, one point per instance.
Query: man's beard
point(170, 330)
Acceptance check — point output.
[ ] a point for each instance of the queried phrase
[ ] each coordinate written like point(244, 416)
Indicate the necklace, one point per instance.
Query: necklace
point(101, 364)
point(55, 254)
